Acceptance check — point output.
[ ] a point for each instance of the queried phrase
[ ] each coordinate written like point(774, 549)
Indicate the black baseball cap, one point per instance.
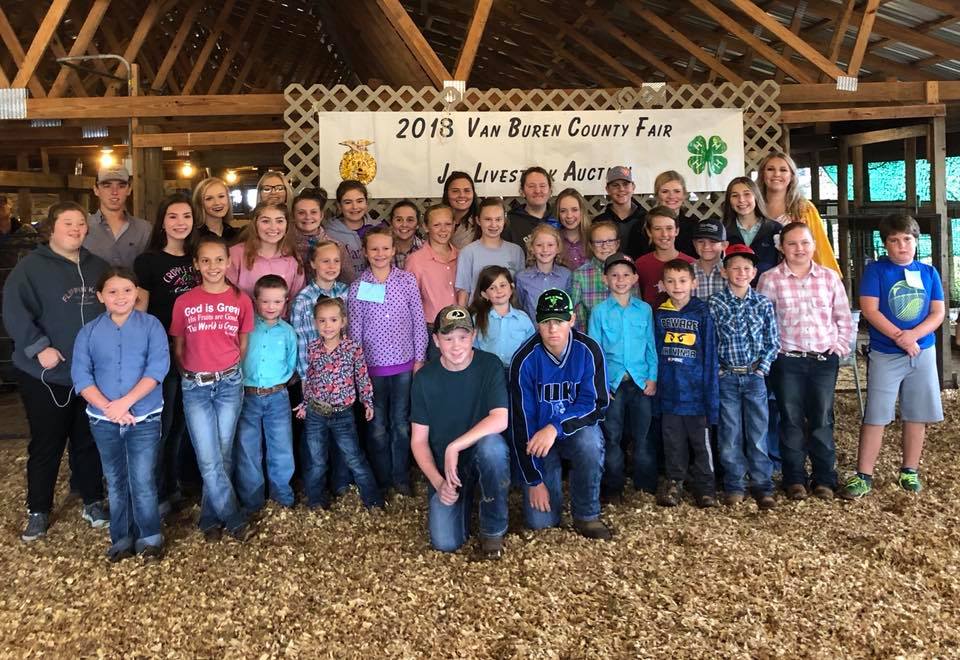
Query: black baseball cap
point(451, 318)
point(554, 305)
point(618, 258)
point(711, 229)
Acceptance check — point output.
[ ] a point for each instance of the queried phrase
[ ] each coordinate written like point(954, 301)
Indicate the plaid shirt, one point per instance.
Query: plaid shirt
point(587, 289)
point(813, 313)
point(746, 329)
point(336, 376)
point(708, 284)
point(302, 318)
point(400, 258)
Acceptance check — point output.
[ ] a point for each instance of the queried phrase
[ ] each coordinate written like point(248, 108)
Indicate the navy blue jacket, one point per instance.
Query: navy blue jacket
point(687, 372)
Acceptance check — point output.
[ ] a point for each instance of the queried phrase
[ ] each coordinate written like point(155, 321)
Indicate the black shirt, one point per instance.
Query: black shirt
point(165, 277)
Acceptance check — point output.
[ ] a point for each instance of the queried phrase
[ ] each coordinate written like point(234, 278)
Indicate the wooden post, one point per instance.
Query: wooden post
point(910, 173)
point(843, 210)
point(943, 249)
point(24, 198)
point(858, 237)
point(815, 178)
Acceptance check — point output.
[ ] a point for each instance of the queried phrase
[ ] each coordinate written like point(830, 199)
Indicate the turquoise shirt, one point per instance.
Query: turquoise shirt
point(505, 334)
point(626, 336)
point(271, 354)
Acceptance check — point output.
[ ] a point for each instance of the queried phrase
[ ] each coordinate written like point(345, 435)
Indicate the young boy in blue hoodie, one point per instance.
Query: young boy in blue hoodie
point(687, 387)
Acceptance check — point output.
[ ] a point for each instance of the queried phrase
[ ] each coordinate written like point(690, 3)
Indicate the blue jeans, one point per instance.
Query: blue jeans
point(341, 429)
point(389, 440)
point(629, 404)
point(212, 412)
point(584, 450)
point(773, 428)
point(264, 417)
point(488, 468)
point(129, 455)
point(742, 434)
point(805, 392)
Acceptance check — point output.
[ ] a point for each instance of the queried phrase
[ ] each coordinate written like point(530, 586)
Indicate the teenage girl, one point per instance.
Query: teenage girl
point(212, 200)
point(269, 249)
point(574, 228)
point(535, 186)
point(405, 222)
point(544, 252)
point(459, 194)
point(352, 222)
point(274, 188)
point(210, 326)
point(124, 406)
point(670, 190)
point(489, 250)
point(745, 217)
point(386, 320)
point(308, 222)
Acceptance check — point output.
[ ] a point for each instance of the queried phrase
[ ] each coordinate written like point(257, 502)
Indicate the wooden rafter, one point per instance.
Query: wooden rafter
point(863, 37)
point(235, 44)
point(253, 55)
point(840, 30)
point(795, 24)
point(617, 33)
point(684, 42)
point(204, 55)
point(80, 44)
point(56, 47)
point(150, 15)
point(164, 73)
point(40, 42)
point(414, 40)
point(481, 12)
point(9, 37)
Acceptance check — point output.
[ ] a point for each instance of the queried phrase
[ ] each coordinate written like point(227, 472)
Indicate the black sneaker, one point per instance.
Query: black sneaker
point(491, 547)
point(96, 514)
point(592, 529)
point(114, 556)
point(37, 524)
point(670, 493)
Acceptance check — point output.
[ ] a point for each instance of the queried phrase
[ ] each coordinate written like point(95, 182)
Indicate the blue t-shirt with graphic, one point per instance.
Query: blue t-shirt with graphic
point(905, 293)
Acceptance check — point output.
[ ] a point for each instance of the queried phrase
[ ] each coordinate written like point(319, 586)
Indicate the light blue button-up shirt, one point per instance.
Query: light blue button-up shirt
point(505, 334)
point(626, 336)
point(271, 354)
point(115, 358)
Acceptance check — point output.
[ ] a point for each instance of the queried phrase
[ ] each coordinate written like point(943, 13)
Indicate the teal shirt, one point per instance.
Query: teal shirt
point(505, 334)
point(271, 354)
point(626, 336)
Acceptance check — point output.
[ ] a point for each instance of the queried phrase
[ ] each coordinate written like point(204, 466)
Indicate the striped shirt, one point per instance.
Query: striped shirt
point(746, 329)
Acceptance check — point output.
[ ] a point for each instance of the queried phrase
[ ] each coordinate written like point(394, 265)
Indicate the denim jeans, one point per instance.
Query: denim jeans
point(173, 426)
point(129, 455)
point(584, 450)
point(628, 405)
point(264, 417)
point(389, 448)
point(805, 392)
point(742, 434)
point(773, 427)
point(487, 468)
point(212, 412)
point(339, 428)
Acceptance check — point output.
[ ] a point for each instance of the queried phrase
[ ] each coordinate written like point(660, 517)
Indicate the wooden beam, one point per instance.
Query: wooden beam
point(910, 172)
point(942, 237)
point(871, 92)
point(746, 36)
point(209, 138)
point(18, 179)
point(684, 42)
point(164, 73)
point(795, 24)
point(150, 15)
point(886, 135)
point(58, 51)
point(208, 45)
point(860, 113)
point(617, 33)
point(236, 43)
point(10, 39)
point(415, 41)
point(840, 29)
point(863, 37)
point(40, 42)
point(80, 44)
point(481, 12)
point(253, 55)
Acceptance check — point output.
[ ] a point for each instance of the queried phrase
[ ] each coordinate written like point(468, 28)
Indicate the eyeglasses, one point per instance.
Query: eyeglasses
point(605, 242)
point(266, 190)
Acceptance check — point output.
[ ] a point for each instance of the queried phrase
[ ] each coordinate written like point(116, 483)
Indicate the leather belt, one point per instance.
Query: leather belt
point(264, 391)
point(210, 377)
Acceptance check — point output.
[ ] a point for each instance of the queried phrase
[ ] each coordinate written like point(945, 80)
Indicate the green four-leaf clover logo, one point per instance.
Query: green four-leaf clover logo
point(707, 155)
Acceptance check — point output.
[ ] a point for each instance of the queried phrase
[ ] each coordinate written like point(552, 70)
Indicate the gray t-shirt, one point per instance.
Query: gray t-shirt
point(476, 256)
point(119, 250)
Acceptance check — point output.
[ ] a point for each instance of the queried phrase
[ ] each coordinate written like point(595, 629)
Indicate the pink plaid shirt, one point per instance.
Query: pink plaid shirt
point(813, 312)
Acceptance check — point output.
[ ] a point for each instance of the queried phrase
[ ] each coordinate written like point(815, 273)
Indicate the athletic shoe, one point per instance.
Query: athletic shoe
point(910, 482)
point(37, 524)
point(119, 555)
point(592, 529)
point(96, 514)
point(855, 488)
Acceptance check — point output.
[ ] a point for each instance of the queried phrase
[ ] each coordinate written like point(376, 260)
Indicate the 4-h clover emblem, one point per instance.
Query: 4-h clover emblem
point(707, 155)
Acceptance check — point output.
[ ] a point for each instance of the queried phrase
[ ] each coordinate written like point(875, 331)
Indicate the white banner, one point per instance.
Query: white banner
point(409, 154)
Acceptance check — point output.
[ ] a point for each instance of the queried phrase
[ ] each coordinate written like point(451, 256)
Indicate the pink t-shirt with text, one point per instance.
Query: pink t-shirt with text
point(211, 324)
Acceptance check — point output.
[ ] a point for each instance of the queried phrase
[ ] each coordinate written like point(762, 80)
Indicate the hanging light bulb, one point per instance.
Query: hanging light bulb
point(107, 159)
point(231, 177)
point(187, 170)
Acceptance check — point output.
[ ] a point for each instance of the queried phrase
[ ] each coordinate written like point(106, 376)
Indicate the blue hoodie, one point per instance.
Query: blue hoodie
point(688, 371)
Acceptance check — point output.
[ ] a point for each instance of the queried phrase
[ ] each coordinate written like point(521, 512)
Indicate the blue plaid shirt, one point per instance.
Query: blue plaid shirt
point(746, 329)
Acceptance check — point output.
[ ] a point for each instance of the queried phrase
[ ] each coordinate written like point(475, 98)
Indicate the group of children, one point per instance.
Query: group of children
point(691, 343)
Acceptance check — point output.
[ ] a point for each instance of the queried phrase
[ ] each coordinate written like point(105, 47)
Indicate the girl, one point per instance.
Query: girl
point(587, 287)
point(308, 222)
point(210, 326)
point(268, 250)
point(46, 300)
point(386, 319)
point(745, 217)
point(353, 221)
point(543, 272)
point(336, 374)
point(459, 194)
point(212, 197)
point(490, 250)
point(574, 227)
point(405, 221)
point(535, 186)
point(165, 272)
point(435, 267)
point(274, 188)
point(670, 190)
point(124, 406)
point(501, 327)
point(785, 204)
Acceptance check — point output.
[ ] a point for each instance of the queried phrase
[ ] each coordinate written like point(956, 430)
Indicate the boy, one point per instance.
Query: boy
point(662, 228)
point(710, 241)
point(458, 409)
point(623, 211)
point(558, 386)
point(269, 363)
point(902, 299)
point(623, 326)
point(747, 344)
point(686, 386)
point(587, 287)
point(813, 318)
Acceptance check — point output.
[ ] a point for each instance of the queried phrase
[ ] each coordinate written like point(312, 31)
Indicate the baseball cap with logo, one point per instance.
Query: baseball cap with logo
point(711, 229)
point(740, 250)
point(619, 173)
point(452, 317)
point(618, 258)
point(554, 305)
point(113, 174)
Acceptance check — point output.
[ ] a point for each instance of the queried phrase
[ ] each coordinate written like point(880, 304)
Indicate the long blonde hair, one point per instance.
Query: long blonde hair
point(288, 246)
point(198, 194)
point(544, 228)
point(795, 202)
